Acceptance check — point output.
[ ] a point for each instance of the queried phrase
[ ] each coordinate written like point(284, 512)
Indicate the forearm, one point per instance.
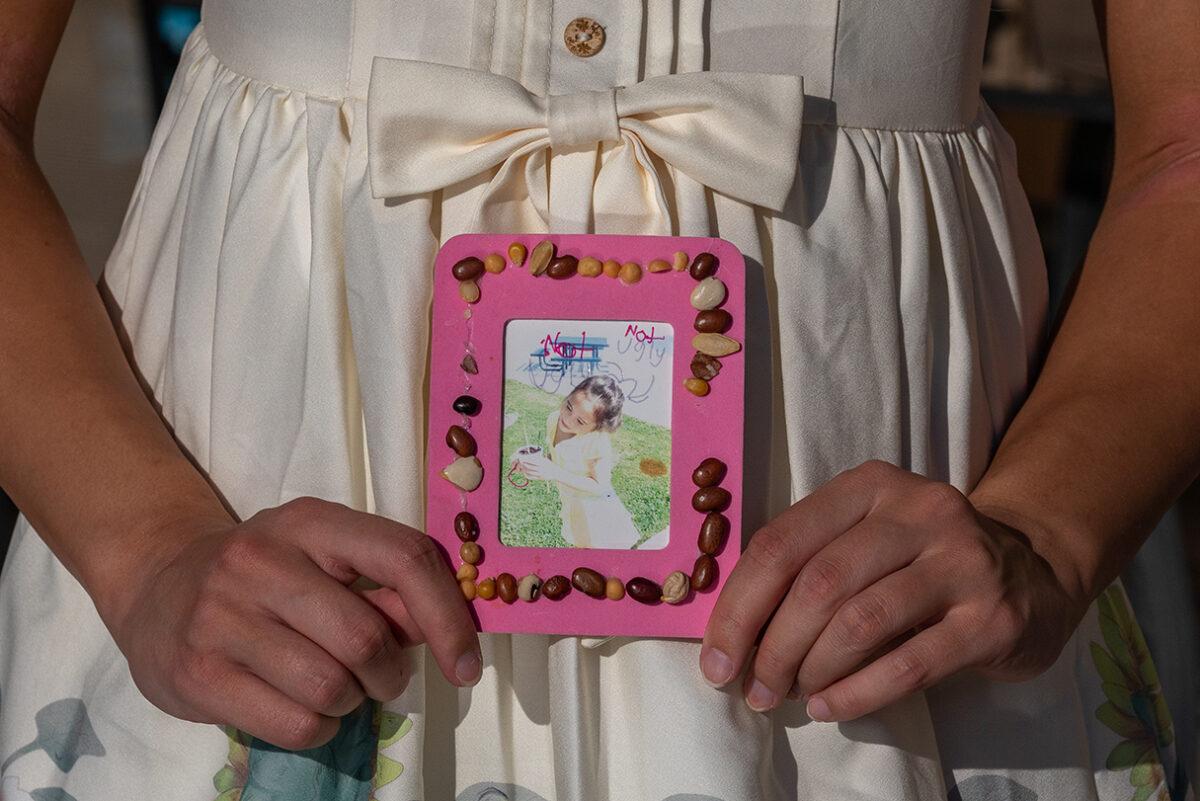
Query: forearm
point(1110, 434)
point(82, 451)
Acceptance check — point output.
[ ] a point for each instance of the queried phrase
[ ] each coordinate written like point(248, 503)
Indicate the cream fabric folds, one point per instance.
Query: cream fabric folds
point(738, 133)
point(279, 311)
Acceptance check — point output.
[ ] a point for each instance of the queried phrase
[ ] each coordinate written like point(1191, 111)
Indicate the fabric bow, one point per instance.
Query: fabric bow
point(430, 126)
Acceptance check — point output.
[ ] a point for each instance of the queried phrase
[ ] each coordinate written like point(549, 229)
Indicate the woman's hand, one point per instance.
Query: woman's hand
point(858, 565)
point(253, 624)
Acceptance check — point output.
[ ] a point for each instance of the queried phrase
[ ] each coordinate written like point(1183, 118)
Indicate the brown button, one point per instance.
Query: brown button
point(584, 37)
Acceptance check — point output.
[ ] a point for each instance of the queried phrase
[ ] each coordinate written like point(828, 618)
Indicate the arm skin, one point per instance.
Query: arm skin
point(249, 623)
point(1110, 435)
point(81, 447)
point(881, 582)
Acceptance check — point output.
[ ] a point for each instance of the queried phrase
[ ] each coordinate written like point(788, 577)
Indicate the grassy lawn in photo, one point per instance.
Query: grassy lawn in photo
point(530, 517)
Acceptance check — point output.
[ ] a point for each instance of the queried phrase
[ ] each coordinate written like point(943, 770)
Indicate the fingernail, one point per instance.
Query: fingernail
point(761, 697)
point(716, 667)
point(818, 710)
point(468, 668)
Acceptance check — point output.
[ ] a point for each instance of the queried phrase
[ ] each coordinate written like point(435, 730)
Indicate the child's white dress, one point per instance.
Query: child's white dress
point(278, 309)
point(590, 519)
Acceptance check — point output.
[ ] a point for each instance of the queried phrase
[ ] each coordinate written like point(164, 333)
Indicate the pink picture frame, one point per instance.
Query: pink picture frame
point(702, 427)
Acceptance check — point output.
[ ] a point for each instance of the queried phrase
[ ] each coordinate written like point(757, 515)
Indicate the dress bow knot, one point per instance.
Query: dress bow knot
point(430, 126)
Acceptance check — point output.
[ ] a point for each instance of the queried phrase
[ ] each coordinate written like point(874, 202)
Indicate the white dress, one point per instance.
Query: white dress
point(278, 309)
point(589, 519)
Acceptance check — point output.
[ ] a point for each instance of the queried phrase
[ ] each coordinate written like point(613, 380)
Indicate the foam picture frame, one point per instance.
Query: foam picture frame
point(509, 279)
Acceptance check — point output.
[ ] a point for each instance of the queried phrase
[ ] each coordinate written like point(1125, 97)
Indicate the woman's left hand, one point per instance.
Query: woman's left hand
point(857, 566)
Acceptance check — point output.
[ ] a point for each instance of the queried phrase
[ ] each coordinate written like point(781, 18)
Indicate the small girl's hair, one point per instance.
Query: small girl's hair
point(609, 398)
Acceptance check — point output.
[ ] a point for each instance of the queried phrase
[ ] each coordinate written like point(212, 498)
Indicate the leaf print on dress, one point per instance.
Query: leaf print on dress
point(340, 770)
point(388, 728)
point(1136, 708)
point(64, 732)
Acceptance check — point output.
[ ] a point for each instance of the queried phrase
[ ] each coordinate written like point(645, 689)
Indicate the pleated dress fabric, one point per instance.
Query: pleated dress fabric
point(279, 310)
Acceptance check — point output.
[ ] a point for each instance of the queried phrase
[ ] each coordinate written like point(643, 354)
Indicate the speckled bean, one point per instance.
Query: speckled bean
point(506, 587)
point(471, 553)
point(556, 587)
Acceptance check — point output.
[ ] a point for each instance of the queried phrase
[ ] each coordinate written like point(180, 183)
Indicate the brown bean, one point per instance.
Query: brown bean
point(506, 587)
point(704, 572)
point(556, 587)
point(461, 441)
point(466, 526)
point(467, 269)
point(705, 366)
point(704, 265)
point(711, 499)
point(713, 321)
point(471, 553)
point(588, 581)
point(486, 589)
point(713, 532)
point(563, 267)
point(644, 590)
point(709, 473)
point(469, 365)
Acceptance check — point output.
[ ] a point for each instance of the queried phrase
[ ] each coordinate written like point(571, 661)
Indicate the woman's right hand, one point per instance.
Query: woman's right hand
point(253, 624)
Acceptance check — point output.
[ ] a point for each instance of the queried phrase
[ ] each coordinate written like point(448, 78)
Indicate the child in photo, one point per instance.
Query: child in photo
point(579, 458)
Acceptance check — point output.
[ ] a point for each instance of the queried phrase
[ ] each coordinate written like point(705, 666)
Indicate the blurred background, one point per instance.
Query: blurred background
point(1044, 76)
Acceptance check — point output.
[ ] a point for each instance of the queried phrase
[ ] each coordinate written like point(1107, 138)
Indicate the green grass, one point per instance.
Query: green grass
point(530, 517)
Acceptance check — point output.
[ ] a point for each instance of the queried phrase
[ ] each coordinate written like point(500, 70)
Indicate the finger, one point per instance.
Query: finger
point(766, 569)
point(231, 695)
point(409, 562)
point(344, 625)
point(919, 663)
point(877, 615)
point(841, 570)
point(391, 606)
point(297, 667)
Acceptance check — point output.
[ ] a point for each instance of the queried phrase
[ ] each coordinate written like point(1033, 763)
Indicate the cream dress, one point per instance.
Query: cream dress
point(278, 309)
point(590, 520)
